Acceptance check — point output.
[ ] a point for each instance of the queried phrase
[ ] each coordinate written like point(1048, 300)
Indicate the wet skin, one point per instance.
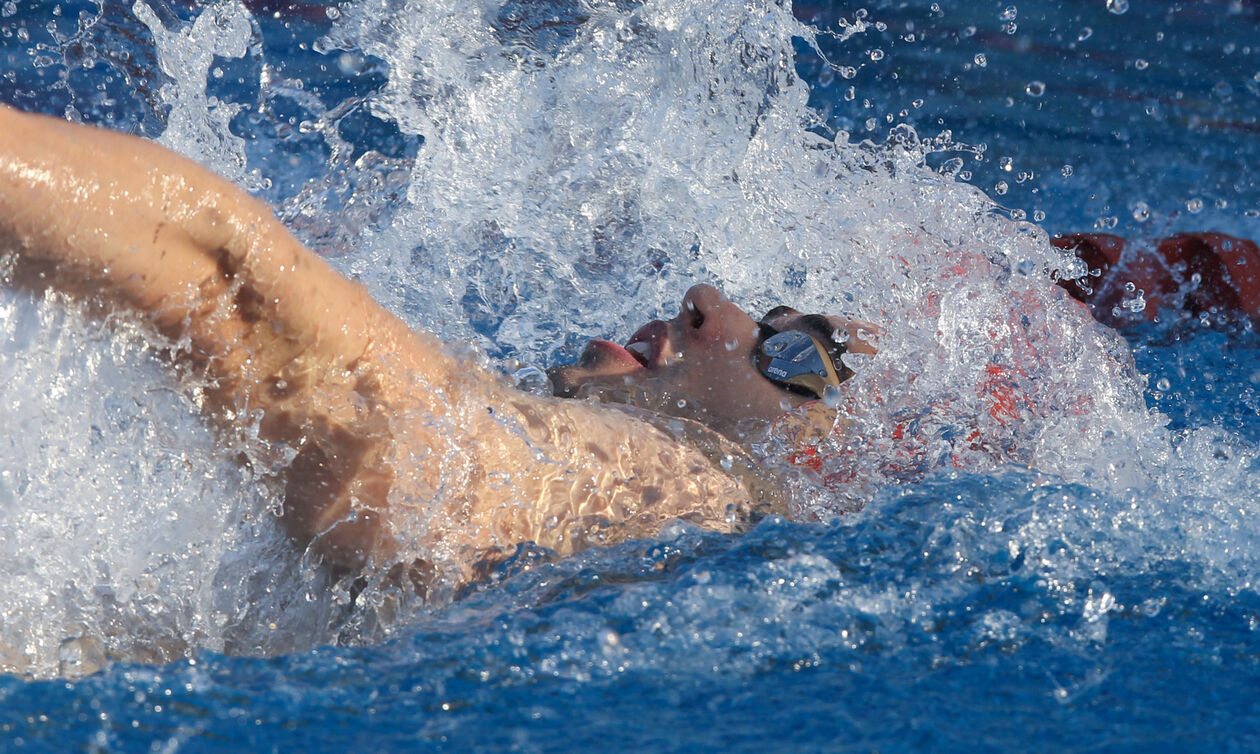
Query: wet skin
point(698, 365)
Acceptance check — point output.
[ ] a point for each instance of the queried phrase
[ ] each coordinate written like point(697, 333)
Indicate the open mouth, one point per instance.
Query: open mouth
point(604, 353)
point(649, 344)
point(646, 349)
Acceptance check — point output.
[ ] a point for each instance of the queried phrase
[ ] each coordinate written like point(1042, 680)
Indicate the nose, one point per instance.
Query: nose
point(702, 307)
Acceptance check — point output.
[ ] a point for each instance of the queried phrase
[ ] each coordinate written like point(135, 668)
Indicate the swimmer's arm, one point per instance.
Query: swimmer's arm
point(380, 415)
point(116, 216)
point(124, 223)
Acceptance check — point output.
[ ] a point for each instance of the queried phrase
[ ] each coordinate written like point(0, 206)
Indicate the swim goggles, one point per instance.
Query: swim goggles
point(798, 362)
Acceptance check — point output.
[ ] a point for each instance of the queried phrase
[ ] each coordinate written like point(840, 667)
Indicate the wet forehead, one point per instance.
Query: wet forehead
point(781, 317)
point(786, 318)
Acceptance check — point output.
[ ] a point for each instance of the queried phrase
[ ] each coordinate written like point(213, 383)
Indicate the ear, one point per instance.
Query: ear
point(860, 336)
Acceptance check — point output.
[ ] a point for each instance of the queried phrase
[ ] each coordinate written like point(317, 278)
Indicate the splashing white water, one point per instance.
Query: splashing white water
point(197, 124)
point(581, 167)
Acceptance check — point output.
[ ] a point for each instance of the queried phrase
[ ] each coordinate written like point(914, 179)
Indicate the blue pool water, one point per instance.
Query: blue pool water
point(1105, 600)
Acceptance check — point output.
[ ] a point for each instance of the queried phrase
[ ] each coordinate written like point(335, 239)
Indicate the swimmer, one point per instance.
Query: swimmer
point(374, 412)
point(384, 424)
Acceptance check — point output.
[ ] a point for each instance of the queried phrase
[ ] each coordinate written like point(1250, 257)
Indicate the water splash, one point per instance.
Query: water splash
point(578, 172)
point(197, 124)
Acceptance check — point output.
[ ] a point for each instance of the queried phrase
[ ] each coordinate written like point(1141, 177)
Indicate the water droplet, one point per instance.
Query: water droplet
point(1006, 163)
point(1010, 14)
point(1118, 7)
point(727, 462)
point(1141, 211)
point(1085, 34)
point(951, 166)
point(850, 94)
point(1163, 384)
point(1001, 187)
point(847, 71)
point(682, 403)
point(831, 396)
point(1035, 88)
point(1194, 205)
point(1038, 215)
point(1066, 171)
point(981, 60)
point(333, 12)
point(877, 54)
point(1140, 64)
point(731, 344)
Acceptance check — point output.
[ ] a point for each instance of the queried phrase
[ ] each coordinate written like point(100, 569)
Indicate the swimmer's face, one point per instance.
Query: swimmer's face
point(698, 365)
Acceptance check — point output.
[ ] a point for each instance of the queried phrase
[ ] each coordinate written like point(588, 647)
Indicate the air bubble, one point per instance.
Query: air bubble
point(1141, 211)
point(1006, 163)
point(1163, 385)
point(981, 60)
point(1194, 206)
point(1118, 7)
point(1035, 88)
point(1001, 187)
point(1085, 34)
point(1140, 64)
point(1066, 171)
point(877, 55)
